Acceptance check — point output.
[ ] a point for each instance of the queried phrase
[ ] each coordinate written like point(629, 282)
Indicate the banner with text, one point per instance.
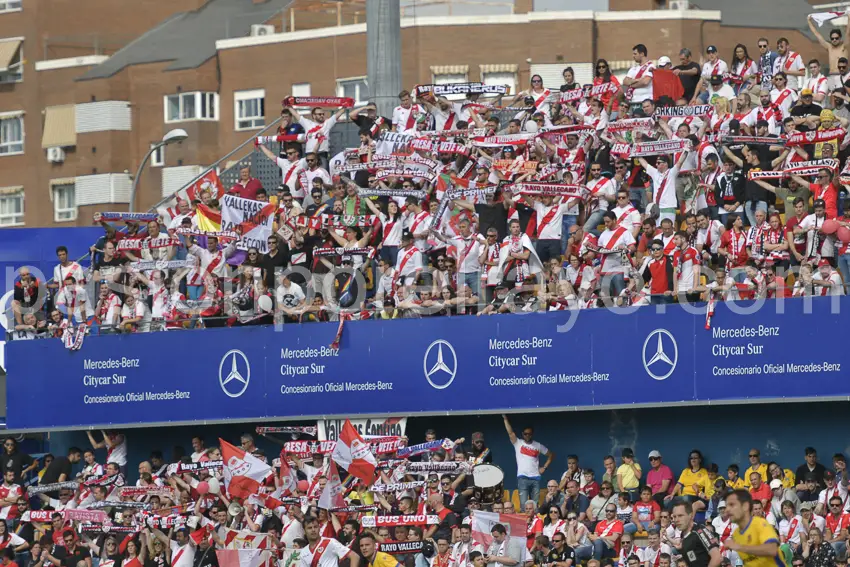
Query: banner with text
point(461, 364)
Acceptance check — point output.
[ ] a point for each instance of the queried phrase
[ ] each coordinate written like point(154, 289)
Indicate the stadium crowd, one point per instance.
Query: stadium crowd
point(710, 181)
point(439, 502)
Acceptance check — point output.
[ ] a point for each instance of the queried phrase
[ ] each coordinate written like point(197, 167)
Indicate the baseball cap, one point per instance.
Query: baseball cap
point(810, 477)
point(806, 92)
point(653, 454)
point(711, 49)
point(722, 504)
point(663, 60)
point(827, 474)
point(819, 203)
point(477, 436)
point(716, 79)
point(775, 483)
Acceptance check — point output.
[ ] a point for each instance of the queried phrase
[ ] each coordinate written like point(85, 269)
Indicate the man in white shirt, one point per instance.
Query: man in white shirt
point(66, 267)
point(782, 95)
point(638, 81)
point(550, 215)
point(686, 263)
point(528, 467)
point(713, 67)
point(289, 168)
point(817, 83)
point(409, 262)
point(76, 301)
point(468, 246)
point(627, 215)
point(317, 130)
point(602, 195)
point(323, 551)
point(614, 243)
point(788, 62)
point(417, 220)
point(827, 281)
point(663, 190)
point(290, 297)
point(182, 549)
point(404, 115)
point(764, 112)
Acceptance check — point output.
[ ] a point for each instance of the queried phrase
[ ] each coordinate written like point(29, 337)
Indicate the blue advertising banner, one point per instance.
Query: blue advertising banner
point(786, 349)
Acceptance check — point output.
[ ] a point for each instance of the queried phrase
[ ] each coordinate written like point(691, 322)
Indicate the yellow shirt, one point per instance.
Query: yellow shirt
point(630, 480)
point(761, 469)
point(738, 483)
point(708, 488)
point(688, 478)
point(758, 532)
point(384, 560)
point(788, 479)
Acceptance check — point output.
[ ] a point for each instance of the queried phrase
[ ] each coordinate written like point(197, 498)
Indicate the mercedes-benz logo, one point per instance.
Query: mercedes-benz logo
point(658, 362)
point(233, 374)
point(440, 364)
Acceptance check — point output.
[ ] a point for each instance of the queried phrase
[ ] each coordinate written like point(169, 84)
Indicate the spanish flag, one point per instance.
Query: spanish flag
point(208, 219)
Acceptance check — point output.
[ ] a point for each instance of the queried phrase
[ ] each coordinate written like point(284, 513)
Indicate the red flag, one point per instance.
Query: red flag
point(244, 558)
point(332, 494)
point(209, 181)
point(243, 472)
point(288, 480)
point(353, 454)
point(664, 82)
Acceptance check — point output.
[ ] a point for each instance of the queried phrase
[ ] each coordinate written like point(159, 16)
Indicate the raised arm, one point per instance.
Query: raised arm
point(509, 429)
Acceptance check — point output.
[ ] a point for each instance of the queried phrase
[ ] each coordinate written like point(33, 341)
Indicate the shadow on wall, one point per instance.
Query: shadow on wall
point(724, 434)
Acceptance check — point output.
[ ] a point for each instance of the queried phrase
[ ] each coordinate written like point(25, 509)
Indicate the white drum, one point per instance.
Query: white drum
point(489, 483)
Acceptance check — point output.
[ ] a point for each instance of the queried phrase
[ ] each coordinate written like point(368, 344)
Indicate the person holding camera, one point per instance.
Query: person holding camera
point(503, 550)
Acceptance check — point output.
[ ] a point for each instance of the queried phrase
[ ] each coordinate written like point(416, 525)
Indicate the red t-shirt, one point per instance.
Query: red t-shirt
point(247, 191)
point(603, 530)
point(762, 493)
point(829, 194)
point(741, 248)
point(789, 227)
point(646, 510)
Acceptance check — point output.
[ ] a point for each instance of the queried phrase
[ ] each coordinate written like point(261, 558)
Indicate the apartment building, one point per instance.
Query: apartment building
point(86, 90)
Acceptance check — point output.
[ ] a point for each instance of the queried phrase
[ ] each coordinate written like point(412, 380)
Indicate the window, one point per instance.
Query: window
point(12, 209)
point(11, 60)
point(158, 156)
point(301, 89)
point(10, 5)
point(249, 109)
point(450, 74)
point(64, 202)
point(501, 79)
point(11, 134)
point(191, 106)
point(355, 88)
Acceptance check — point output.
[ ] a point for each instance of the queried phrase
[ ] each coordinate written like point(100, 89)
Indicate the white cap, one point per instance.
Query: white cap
point(721, 504)
point(664, 60)
point(775, 483)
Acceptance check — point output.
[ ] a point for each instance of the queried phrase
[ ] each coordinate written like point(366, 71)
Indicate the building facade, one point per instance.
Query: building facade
point(76, 119)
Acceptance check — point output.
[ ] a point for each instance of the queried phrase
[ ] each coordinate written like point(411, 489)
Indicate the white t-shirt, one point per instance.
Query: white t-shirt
point(468, 251)
point(334, 551)
point(614, 263)
point(642, 93)
point(835, 289)
point(552, 229)
point(72, 298)
point(789, 62)
point(599, 189)
point(664, 187)
point(717, 67)
point(527, 458)
point(289, 174)
point(785, 529)
point(291, 296)
point(182, 556)
point(725, 91)
point(813, 222)
point(291, 530)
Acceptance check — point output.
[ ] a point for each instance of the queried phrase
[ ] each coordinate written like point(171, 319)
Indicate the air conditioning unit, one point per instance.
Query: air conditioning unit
point(261, 29)
point(680, 5)
point(55, 155)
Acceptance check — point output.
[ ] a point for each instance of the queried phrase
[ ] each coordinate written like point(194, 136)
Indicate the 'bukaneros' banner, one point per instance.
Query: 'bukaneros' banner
point(464, 365)
point(396, 426)
point(253, 218)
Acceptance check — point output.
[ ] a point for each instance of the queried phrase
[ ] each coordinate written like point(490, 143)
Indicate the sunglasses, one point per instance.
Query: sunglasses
point(762, 46)
point(752, 454)
point(603, 66)
point(611, 511)
point(536, 81)
point(595, 170)
point(656, 249)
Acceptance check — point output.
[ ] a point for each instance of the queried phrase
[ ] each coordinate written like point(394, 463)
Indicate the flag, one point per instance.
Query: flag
point(820, 18)
point(353, 454)
point(243, 539)
point(201, 533)
point(332, 494)
point(244, 558)
point(210, 181)
point(483, 522)
point(264, 501)
point(664, 82)
point(243, 472)
point(208, 219)
point(288, 480)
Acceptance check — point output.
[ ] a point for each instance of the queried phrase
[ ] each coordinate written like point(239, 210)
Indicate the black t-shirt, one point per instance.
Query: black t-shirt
point(697, 545)
point(269, 263)
point(752, 190)
point(70, 559)
point(363, 121)
point(448, 521)
point(27, 297)
point(493, 215)
point(805, 110)
point(567, 554)
point(689, 82)
point(60, 465)
point(157, 561)
point(206, 558)
point(108, 268)
point(15, 462)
